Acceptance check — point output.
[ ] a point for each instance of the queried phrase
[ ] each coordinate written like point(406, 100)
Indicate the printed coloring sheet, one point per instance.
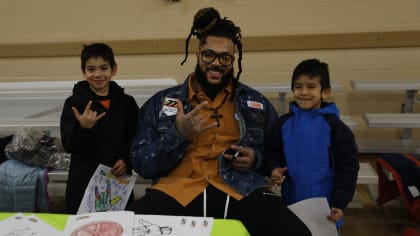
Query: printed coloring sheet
point(114, 223)
point(106, 192)
point(154, 225)
point(21, 225)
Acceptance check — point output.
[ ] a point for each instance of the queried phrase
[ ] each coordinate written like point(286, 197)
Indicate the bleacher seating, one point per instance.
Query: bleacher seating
point(39, 104)
point(407, 119)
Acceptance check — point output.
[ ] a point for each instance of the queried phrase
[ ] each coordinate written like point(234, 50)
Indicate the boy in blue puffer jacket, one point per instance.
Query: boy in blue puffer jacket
point(310, 151)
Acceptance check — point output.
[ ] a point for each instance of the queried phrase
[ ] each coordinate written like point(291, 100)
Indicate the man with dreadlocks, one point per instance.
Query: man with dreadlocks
point(202, 142)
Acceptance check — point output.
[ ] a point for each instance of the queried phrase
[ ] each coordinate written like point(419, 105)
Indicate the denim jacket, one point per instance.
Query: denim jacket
point(158, 147)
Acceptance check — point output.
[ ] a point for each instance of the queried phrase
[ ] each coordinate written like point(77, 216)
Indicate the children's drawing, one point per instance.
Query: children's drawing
point(103, 201)
point(106, 192)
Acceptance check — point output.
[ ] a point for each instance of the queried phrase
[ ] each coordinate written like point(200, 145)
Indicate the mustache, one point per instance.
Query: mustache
point(215, 68)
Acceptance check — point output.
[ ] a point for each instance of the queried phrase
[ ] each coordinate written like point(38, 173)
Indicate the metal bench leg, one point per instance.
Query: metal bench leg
point(408, 108)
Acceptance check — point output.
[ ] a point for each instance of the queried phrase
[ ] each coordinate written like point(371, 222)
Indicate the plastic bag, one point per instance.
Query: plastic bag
point(36, 148)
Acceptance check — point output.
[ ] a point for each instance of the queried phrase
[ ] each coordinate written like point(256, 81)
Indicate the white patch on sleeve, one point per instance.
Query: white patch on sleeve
point(254, 104)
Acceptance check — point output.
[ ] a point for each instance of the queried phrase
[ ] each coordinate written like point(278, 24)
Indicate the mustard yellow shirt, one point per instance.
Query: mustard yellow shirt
point(200, 166)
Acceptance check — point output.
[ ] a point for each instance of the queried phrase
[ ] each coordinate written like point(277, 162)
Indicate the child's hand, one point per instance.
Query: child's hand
point(278, 176)
point(335, 215)
point(119, 168)
point(89, 118)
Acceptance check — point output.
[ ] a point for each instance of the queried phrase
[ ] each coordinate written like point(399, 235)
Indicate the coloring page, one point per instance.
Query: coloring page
point(21, 225)
point(41, 227)
point(106, 192)
point(114, 223)
point(15, 226)
point(154, 225)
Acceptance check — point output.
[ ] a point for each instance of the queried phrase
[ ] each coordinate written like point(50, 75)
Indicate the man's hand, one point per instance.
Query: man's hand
point(191, 124)
point(278, 176)
point(89, 118)
point(245, 159)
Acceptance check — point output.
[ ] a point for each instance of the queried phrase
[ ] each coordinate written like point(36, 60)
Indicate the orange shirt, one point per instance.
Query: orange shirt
point(105, 103)
point(200, 166)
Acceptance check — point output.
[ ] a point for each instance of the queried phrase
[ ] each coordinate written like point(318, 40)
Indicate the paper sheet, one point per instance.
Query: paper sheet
point(153, 225)
point(105, 192)
point(21, 225)
point(313, 212)
point(115, 223)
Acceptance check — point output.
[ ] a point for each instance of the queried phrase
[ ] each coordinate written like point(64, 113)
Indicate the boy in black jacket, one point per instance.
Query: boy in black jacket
point(97, 123)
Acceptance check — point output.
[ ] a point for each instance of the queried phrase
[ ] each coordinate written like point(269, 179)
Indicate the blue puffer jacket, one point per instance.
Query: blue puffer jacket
point(23, 188)
point(306, 138)
point(320, 153)
point(157, 146)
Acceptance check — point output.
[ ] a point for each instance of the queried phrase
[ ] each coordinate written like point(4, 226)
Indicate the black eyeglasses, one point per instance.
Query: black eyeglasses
point(209, 56)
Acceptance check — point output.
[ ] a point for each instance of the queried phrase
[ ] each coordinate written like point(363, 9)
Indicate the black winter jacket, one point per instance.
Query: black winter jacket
point(108, 141)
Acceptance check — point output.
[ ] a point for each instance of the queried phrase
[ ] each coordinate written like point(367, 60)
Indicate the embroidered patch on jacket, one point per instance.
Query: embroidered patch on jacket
point(254, 104)
point(169, 106)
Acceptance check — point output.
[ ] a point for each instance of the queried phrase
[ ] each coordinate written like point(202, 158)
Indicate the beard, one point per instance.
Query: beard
point(211, 90)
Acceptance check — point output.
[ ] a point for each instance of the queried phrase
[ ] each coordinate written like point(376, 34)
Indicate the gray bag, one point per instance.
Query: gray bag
point(35, 148)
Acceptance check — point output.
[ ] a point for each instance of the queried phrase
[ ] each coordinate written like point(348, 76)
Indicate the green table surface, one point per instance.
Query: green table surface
point(220, 227)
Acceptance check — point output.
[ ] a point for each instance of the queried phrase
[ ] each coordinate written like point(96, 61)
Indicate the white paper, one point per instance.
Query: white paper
point(14, 225)
point(313, 212)
point(116, 223)
point(41, 227)
point(21, 225)
point(105, 192)
point(153, 225)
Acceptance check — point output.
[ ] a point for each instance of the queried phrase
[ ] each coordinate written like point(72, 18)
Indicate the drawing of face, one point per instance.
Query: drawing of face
point(99, 228)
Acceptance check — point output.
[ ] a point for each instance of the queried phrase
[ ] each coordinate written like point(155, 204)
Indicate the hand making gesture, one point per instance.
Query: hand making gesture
point(89, 117)
point(191, 124)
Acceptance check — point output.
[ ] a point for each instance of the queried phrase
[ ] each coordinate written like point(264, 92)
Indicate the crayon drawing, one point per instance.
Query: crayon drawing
point(106, 192)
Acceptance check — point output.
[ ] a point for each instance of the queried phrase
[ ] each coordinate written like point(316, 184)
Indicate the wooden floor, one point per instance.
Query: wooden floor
point(390, 219)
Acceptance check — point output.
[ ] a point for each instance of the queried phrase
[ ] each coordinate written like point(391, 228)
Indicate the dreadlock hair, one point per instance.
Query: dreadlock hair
point(208, 22)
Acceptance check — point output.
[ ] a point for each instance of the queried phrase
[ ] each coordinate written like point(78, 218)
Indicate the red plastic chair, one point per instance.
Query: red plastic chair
point(411, 231)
